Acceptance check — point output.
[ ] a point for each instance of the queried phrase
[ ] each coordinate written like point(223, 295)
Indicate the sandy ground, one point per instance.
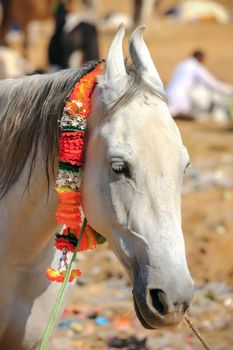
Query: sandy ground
point(100, 307)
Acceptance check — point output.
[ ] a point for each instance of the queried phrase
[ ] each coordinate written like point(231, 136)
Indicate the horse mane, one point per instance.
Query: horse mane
point(30, 108)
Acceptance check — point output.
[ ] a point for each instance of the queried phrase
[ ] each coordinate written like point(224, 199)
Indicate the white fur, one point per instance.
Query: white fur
point(139, 214)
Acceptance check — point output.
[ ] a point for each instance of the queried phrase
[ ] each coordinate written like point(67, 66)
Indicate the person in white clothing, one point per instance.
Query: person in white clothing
point(192, 88)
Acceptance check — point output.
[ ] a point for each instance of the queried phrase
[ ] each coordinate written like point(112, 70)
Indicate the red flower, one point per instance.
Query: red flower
point(71, 147)
point(61, 243)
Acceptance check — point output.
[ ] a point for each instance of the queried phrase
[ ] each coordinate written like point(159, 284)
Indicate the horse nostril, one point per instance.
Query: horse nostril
point(159, 301)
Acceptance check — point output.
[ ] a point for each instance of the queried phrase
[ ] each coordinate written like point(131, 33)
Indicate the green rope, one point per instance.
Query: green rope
point(60, 296)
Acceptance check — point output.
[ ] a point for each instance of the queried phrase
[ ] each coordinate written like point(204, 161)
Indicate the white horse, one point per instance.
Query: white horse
point(135, 161)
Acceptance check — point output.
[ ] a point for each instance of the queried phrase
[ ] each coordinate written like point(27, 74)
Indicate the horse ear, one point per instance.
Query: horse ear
point(141, 57)
point(115, 66)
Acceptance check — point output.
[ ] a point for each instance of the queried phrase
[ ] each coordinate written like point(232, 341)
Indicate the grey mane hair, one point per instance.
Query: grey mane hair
point(30, 108)
point(134, 86)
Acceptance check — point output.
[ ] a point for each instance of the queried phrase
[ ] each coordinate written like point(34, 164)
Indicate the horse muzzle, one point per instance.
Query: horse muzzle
point(155, 309)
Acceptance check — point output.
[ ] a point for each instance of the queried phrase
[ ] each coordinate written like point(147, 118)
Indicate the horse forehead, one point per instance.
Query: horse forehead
point(146, 121)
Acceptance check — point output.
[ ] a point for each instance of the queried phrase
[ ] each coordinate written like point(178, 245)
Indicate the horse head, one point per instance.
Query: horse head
point(135, 161)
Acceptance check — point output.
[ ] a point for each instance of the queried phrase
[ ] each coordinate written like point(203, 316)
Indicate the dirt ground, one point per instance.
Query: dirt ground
point(99, 310)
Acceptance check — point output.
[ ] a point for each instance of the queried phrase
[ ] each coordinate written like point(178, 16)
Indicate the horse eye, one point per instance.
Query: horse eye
point(119, 167)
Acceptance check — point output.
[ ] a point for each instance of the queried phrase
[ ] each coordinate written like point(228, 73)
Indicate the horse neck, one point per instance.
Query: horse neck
point(28, 215)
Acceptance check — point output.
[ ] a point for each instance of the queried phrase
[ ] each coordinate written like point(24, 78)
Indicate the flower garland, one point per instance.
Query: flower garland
point(68, 182)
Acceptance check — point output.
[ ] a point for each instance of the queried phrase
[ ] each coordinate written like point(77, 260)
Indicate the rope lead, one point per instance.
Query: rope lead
point(196, 332)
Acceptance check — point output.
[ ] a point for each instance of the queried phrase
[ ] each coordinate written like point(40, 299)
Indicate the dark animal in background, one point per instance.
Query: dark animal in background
point(82, 39)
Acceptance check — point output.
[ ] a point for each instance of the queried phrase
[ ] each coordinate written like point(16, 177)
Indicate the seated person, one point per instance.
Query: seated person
point(189, 76)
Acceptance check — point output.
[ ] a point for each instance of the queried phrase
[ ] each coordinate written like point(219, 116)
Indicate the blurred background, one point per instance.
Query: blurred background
point(48, 35)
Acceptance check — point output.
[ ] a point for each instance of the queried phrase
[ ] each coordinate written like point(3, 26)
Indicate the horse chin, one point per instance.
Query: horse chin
point(157, 321)
point(139, 316)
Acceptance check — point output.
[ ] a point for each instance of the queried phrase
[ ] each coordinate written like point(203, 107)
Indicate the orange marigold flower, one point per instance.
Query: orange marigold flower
point(56, 276)
point(74, 273)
